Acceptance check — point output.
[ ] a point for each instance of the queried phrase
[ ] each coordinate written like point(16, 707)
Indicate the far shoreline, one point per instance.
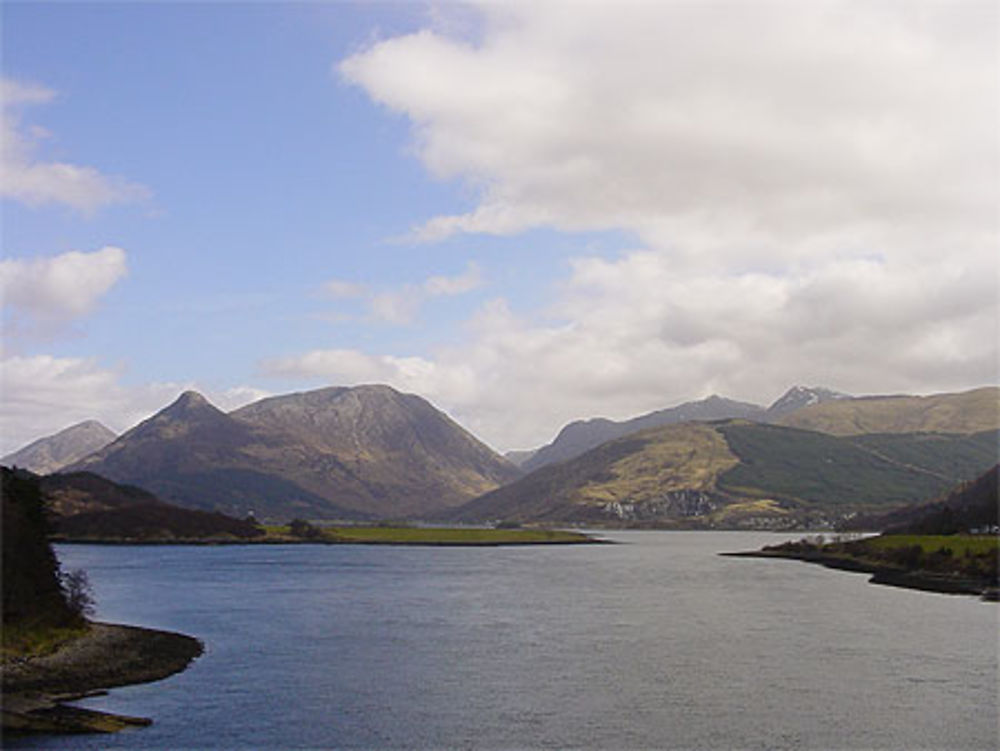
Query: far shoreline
point(365, 535)
point(924, 581)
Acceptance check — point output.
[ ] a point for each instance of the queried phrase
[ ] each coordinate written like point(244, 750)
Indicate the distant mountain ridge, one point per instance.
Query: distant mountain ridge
point(580, 436)
point(810, 407)
point(53, 452)
point(737, 473)
point(964, 412)
point(363, 452)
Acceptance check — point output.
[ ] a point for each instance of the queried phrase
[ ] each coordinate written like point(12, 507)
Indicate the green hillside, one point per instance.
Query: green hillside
point(800, 465)
point(946, 454)
point(739, 474)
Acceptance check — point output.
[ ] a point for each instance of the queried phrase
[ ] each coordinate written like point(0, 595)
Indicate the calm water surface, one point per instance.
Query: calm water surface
point(657, 643)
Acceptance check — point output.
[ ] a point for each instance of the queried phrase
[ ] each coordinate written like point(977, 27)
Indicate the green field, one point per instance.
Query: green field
point(959, 545)
point(403, 535)
point(941, 563)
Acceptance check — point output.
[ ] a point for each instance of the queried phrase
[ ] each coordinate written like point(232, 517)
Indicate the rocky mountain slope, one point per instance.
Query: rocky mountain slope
point(737, 474)
point(363, 452)
point(799, 397)
point(52, 453)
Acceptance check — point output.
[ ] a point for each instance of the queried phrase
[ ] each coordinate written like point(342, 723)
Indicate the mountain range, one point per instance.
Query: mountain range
point(810, 407)
point(363, 452)
point(967, 412)
point(370, 452)
point(737, 473)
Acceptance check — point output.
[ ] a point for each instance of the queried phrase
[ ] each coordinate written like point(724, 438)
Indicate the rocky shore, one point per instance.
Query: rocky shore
point(36, 689)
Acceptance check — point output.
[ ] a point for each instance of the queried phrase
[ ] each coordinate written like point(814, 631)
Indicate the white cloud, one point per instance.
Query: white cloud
point(814, 187)
point(49, 292)
point(709, 129)
point(43, 394)
point(235, 397)
point(438, 286)
point(13, 93)
point(339, 289)
point(32, 180)
point(400, 306)
point(630, 336)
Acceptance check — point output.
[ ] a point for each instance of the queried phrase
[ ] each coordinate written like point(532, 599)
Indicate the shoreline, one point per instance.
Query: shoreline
point(408, 544)
point(36, 689)
point(366, 535)
point(924, 581)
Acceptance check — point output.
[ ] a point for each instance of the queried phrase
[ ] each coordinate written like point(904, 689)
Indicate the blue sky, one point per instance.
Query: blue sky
point(527, 213)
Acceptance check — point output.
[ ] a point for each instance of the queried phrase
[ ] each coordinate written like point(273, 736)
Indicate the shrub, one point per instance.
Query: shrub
point(302, 528)
point(79, 593)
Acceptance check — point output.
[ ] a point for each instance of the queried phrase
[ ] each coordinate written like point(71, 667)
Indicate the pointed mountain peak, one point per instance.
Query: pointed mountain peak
point(798, 397)
point(189, 403)
point(93, 425)
point(54, 452)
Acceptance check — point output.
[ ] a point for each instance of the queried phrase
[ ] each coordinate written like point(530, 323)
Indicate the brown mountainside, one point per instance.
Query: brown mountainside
point(363, 452)
point(966, 412)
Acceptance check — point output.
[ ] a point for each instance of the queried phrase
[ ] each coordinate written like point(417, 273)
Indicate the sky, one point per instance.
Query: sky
point(525, 212)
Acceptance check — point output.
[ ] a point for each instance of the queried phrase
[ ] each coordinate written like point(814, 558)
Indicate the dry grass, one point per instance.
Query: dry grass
point(675, 457)
point(969, 412)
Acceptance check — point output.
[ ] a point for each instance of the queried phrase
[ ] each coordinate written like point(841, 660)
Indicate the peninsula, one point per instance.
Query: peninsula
point(52, 653)
point(949, 545)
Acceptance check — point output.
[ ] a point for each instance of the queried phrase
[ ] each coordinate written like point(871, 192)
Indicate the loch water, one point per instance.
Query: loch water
point(657, 642)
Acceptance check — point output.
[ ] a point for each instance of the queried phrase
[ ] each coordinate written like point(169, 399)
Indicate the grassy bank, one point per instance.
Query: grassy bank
point(357, 535)
point(20, 641)
point(405, 535)
point(960, 564)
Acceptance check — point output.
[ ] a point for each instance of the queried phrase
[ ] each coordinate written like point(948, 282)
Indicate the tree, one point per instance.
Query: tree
point(302, 528)
point(79, 593)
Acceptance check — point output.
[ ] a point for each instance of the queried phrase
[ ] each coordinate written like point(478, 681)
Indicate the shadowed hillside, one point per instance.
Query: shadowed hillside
point(82, 505)
point(972, 506)
point(347, 453)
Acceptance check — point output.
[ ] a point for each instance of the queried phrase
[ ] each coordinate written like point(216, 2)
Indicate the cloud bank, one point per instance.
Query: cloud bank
point(812, 186)
point(43, 394)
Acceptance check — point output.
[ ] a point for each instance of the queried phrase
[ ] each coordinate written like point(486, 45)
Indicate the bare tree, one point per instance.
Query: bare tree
point(79, 593)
